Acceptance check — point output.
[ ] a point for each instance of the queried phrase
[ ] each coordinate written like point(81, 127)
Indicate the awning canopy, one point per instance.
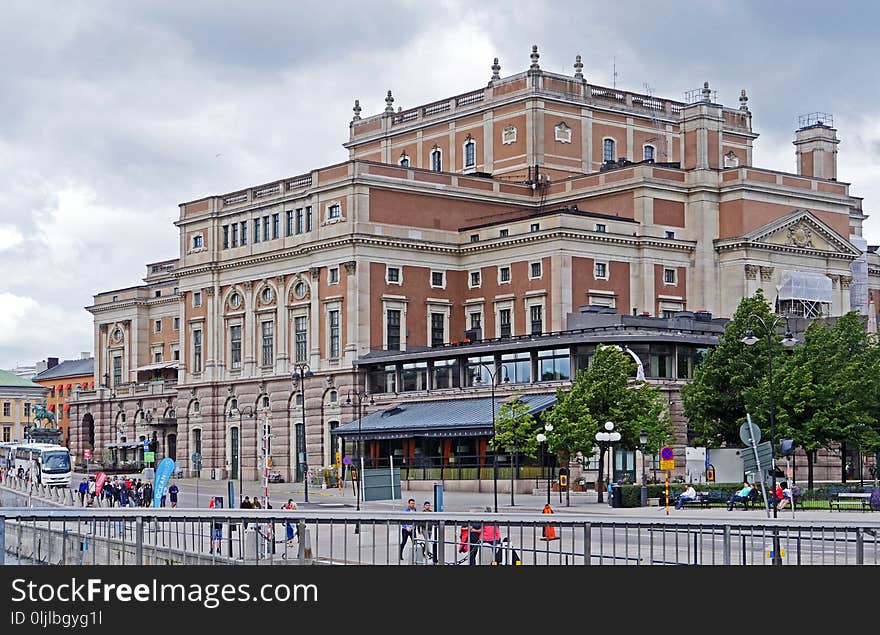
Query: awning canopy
point(67, 407)
point(805, 285)
point(51, 407)
point(68, 387)
point(158, 366)
point(438, 418)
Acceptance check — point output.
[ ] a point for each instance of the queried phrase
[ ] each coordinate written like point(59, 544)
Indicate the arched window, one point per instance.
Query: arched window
point(436, 160)
point(608, 150)
point(470, 153)
point(648, 153)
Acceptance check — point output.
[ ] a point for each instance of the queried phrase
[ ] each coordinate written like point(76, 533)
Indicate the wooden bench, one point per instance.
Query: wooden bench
point(851, 500)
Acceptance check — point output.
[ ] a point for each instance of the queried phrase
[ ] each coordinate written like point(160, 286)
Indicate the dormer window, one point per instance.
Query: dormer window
point(648, 153)
point(404, 160)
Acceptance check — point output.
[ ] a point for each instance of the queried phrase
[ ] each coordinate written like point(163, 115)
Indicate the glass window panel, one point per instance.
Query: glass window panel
point(446, 373)
point(518, 367)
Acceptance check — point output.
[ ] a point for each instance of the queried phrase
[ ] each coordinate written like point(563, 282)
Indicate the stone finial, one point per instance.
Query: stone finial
point(534, 56)
point(496, 70)
point(578, 67)
point(743, 101)
point(707, 94)
point(389, 103)
point(357, 110)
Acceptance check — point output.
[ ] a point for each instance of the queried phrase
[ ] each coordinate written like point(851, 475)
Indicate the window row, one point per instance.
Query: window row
point(394, 275)
point(609, 151)
point(266, 228)
point(469, 152)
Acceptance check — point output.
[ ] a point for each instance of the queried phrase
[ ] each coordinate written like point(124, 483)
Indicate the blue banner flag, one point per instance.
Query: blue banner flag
point(163, 475)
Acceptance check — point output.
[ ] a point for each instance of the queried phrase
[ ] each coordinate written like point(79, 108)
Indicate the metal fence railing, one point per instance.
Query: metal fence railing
point(181, 536)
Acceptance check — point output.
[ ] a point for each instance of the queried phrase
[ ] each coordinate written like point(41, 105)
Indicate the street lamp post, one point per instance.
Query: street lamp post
point(604, 439)
point(360, 414)
point(789, 341)
point(643, 441)
point(478, 380)
point(542, 438)
point(301, 372)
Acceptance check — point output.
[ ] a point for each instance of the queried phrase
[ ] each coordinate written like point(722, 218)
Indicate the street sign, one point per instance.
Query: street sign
point(666, 453)
point(149, 457)
point(196, 457)
point(346, 460)
point(87, 454)
point(744, 434)
point(146, 445)
point(667, 464)
point(765, 454)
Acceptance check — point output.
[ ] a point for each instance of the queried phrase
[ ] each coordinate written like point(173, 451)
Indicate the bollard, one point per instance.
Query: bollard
point(251, 545)
point(726, 545)
point(305, 543)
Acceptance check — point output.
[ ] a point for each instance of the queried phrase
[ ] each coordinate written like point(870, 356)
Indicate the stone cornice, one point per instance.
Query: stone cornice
point(739, 243)
point(133, 302)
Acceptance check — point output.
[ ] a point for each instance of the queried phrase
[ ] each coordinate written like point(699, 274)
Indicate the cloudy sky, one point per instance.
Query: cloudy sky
point(113, 113)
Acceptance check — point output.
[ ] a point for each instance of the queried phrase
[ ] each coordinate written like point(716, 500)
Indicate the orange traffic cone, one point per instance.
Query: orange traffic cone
point(549, 532)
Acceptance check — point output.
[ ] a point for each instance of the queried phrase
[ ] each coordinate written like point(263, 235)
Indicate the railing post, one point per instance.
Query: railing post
point(860, 546)
point(138, 540)
point(2, 541)
point(726, 545)
point(588, 531)
point(441, 541)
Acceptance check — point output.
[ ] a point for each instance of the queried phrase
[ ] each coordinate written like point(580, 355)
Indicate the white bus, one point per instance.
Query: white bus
point(7, 454)
point(46, 463)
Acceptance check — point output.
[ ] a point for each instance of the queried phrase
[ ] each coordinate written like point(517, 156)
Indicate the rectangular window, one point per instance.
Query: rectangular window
point(669, 276)
point(7, 409)
point(504, 322)
point(648, 153)
point(475, 279)
point(446, 374)
point(197, 350)
point(476, 320)
point(176, 355)
point(478, 370)
point(666, 314)
point(265, 228)
point(27, 410)
point(535, 270)
point(257, 229)
point(117, 370)
point(276, 226)
point(226, 237)
point(436, 161)
point(670, 234)
point(177, 324)
point(536, 315)
point(235, 347)
point(288, 222)
point(535, 227)
point(334, 211)
point(157, 326)
point(414, 376)
point(334, 334)
point(504, 274)
point(197, 298)
point(309, 218)
point(157, 293)
point(553, 365)
point(503, 233)
point(608, 150)
point(267, 358)
point(601, 270)
point(438, 329)
point(235, 234)
point(392, 274)
point(516, 368)
point(300, 338)
point(7, 434)
point(659, 361)
point(244, 231)
point(333, 275)
point(470, 154)
point(383, 379)
point(600, 227)
point(475, 238)
point(300, 221)
point(198, 241)
point(437, 279)
point(392, 320)
point(157, 357)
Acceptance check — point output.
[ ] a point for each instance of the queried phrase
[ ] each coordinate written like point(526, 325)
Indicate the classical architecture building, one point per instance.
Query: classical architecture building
point(17, 397)
point(62, 380)
point(491, 215)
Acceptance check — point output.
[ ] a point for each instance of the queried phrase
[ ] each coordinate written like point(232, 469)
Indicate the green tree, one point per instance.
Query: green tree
point(515, 431)
point(715, 401)
point(604, 392)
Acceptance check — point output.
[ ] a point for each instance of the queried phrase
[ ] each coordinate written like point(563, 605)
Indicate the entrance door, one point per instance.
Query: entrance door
point(234, 441)
point(171, 446)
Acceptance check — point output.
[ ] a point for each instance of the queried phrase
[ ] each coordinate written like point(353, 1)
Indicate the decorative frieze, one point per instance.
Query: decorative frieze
point(766, 274)
point(751, 272)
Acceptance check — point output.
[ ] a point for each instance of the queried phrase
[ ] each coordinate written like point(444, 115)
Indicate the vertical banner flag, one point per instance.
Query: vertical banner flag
point(163, 475)
point(99, 483)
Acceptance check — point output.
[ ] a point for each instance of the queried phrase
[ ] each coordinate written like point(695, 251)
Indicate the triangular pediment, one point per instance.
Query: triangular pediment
point(801, 230)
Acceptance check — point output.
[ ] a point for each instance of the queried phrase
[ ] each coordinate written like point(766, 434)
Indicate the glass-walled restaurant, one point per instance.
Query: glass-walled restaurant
point(460, 371)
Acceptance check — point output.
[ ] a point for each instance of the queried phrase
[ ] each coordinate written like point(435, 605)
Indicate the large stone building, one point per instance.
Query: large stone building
point(496, 213)
point(63, 380)
point(17, 396)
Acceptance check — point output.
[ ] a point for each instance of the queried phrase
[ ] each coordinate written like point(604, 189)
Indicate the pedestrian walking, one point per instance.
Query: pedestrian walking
point(216, 529)
point(83, 489)
point(172, 494)
point(290, 525)
point(406, 529)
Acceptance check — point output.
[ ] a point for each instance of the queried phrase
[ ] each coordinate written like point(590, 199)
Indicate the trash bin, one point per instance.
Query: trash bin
point(616, 496)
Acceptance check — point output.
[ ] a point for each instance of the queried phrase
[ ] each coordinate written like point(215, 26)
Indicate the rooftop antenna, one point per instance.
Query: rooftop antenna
point(659, 138)
point(614, 72)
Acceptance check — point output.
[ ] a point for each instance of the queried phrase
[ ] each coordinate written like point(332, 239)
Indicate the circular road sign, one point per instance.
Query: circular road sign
point(346, 460)
point(666, 453)
point(196, 457)
point(744, 433)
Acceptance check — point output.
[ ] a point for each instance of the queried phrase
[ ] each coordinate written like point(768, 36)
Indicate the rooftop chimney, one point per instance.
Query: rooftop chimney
point(815, 145)
point(51, 362)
